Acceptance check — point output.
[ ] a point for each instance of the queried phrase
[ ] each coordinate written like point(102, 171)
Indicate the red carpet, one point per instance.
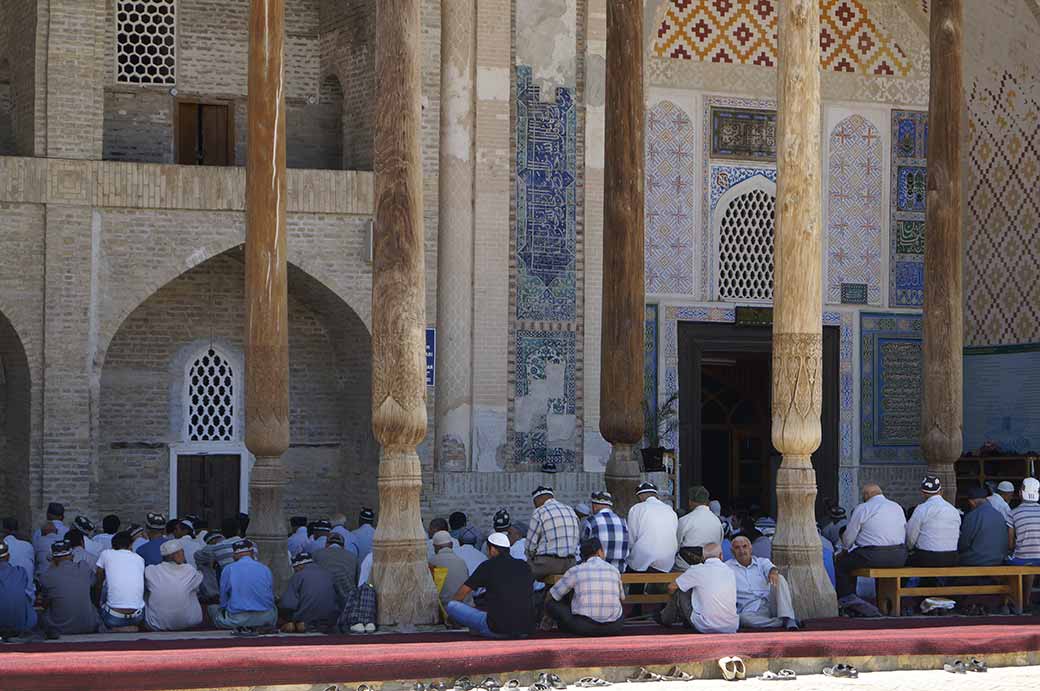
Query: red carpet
point(150, 665)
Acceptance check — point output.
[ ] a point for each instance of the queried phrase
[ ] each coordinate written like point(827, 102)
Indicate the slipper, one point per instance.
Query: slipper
point(738, 666)
point(462, 684)
point(490, 684)
point(645, 675)
point(538, 686)
point(676, 674)
point(244, 632)
point(786, 675)
point(729, 670)
point(958, 667)
point(841, 670)
point(590, 682)
point(437, 686)
point(552, 680)
point(977, 665)
point(513, 684)
point(769, 676)
point(363, 687)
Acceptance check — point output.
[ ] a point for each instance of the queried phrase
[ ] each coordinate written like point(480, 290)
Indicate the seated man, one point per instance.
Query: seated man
point(508, 583)
point(122, 610)
point(1024, 533)
point(80, 553)
point(933, 529)
point(552, 536)
point(610, 529)
point(652, 530)
point(340, 562)
point(445, 558)
point(587, 600)
point(173, 590)
point(309, 600)
point(109, 527)
point(704, 596)
point(436, 526)
point(1001, 499)
point(700, 526)
point(984, 535)
point(298, 538)
point(763, 596)
point(246, 592)
point(65, 587)
point(468, 552)
point(874, 537)
point(16, 607)
point(214, 557)
point(836, 520)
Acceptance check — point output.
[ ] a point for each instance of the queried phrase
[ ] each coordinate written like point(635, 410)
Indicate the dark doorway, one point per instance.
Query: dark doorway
point(725, 425)
point(205, 134)
point(208, 486)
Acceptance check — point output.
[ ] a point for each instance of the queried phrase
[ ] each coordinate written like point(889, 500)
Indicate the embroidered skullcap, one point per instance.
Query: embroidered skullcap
point(836, 513)
point(441, 538)
point(334, 539)
point(501, 520)
point(499, 540)
point(931, 485)
point(170, 547)
point(155, 521)
point(61, 548)
point(976, 493)
point(1005, 486)
point(603, 498)
point(56, 509)
point(187, 524)
point(646, 487)
point(302, 558)
point(322, 525)
point(135, 530)
point(542, 490)
point(1030, 489)
point(242, 546)
point(84, 524)
point(4, 549)
point(367, 515)
point(213, 536)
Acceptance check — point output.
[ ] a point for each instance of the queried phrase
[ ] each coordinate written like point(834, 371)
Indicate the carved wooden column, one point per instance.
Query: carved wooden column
point(943, 408)
point(621, 359)
point(797, 309)
point(399, 570)
point(267, 323)
point(454, 403)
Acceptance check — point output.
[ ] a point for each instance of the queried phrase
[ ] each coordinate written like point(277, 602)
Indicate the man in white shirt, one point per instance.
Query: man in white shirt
point(700, 526)
point(109, 527)
point(298, 539)
point(874, 537)
point(173, 591)
point(933, 529)
point(339, 525)
point(122, 611)
point(704, 596)
point(469, 553)
point(1001, 500)
point(185, 534)
point(763, 595)
point(652, 531)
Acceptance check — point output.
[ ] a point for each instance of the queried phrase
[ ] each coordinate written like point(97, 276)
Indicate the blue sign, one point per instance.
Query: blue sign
point(431, 357)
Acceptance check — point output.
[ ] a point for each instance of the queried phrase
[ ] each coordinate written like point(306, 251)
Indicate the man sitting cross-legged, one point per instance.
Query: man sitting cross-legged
point(587, 600)
point(246, 592)
point(173, 590)
point(508, 583)
point(704, 596)
point(122, 609)
point(763, 596)
point(309, 600)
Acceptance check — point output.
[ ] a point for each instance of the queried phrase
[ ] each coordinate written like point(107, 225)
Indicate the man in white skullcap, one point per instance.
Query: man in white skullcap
point(508, 583)
point(172, 603)
point(934, 528)
point(445, 558)
point(1001, 500)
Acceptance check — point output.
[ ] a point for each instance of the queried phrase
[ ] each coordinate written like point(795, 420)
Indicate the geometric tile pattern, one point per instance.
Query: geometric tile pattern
point(854, 209)
point(891, 379)
point(746, 247)
point(741, 134)
point(1002, 293)
point(745, 32)
point(669, 200)
point(545, 383)
point(908, 199)
point(649, 368)
point(546, 282)
point(721, 179)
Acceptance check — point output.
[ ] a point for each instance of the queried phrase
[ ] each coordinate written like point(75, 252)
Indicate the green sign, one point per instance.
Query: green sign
point(754, 316)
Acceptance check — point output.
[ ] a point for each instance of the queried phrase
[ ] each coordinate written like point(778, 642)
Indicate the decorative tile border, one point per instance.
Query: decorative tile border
point(908, 196)
point(650, 359)
point(891, 373)
point(670, 189)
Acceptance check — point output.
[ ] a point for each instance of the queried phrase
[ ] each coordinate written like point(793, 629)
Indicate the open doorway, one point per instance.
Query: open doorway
point(725, 426)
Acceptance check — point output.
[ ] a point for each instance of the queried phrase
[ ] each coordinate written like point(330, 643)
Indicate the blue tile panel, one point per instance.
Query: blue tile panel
point(545, 377)
point(891, 380)
point(909, 197)
point(650, 367)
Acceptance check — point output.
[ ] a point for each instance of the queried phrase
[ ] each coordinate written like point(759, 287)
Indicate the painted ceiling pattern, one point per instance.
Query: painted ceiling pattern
point(745, 32)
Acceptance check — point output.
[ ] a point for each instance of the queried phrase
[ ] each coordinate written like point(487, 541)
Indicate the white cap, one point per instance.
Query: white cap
point(441, 538)
point(499, 540)
point(170, 547)
point(1030, 489)
point(1005, 486)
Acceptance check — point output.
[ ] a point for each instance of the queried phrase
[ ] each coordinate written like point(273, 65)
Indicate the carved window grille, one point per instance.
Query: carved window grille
point(211, 398)
point(146, 41)
point(746, 247)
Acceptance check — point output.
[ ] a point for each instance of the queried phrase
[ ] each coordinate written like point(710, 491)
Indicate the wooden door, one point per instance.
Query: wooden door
point(208, 486)
point(204, 134)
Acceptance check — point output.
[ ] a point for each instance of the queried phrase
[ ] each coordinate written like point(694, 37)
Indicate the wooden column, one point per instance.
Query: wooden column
point(797, 309)
point(943, 408)
point(399, 571)
point(621, 353)
point(267, 323)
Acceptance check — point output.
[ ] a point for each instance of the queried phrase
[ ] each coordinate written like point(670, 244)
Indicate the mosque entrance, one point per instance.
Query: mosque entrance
point(727, 369)
point(208, 486)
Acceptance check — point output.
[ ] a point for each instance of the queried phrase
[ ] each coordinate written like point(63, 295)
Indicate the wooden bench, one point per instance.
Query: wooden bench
point(632, 578)
point(890, 588)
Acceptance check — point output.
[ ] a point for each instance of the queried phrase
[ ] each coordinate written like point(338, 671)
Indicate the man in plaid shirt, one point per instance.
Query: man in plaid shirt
point(593, 607)
point(552, 535)
point(609, 528)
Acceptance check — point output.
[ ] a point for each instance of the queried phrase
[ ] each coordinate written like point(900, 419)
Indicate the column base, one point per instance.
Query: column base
point(797, 550)
point(267, 524)
point(400, 573)
point(623, 476)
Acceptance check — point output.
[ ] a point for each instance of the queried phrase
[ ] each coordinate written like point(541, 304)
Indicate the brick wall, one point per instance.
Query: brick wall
point(7, 141)
point(75, 103)
point(348, 51)
point(18, 34)
point(138, 126)
point(141, 389)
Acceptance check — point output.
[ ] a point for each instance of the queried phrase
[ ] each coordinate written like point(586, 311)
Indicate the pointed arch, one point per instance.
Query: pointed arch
point(743, 228)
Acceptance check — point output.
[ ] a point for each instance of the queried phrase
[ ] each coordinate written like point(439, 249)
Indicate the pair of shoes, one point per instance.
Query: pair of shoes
point(676, 674)
point(550, 680)
point(589, 682)
point(491, 684)
point(245, 632)
point(961, 667)
point(645, 675)
point(782, 675)
point(733, 668)
point(363, 628)
point(841, 670)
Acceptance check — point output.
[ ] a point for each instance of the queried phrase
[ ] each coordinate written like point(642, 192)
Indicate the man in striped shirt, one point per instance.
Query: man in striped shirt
point(211, 559)
point(1024, 533)
point(587, 600)
point(552, 535)
point(609, 528)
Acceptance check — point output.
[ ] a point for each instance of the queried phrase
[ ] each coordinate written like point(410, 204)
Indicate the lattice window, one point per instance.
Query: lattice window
point(211, 398)
point(146, 41)
point(746, 247)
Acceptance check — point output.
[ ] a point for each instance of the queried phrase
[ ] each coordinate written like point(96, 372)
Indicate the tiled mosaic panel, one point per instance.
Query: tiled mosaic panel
point(545, 398)
point(670, 186)
point(649, 368)
point(891, 387)
point(908, 198)
point(744, 32)
point(743, 134)
point(1002, 238)
point(854, 209)
point(546, 277)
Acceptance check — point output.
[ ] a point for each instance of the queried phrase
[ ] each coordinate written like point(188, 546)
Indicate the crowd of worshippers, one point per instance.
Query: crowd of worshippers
point(180, 574)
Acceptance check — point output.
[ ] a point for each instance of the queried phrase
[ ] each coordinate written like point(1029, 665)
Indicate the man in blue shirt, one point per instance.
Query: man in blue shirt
point(984, 534)
point(151, 550)
point(246, 593)
point(365, 532)
point(16, 607)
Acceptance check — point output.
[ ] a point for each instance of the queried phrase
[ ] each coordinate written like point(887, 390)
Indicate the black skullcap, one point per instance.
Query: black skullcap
point(501, 520)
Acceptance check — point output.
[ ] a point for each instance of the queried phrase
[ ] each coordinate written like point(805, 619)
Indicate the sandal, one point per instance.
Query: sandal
point(958, 667)
point(842, 671)
point(786, 675)
point(676, 674)
point(645, 675)
point(769, 675)
point(977, 665)
point(462, 684)
point(513, 684)
point(538, 686)
point(490, 684)
point(551, 680)
point(589, 682)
